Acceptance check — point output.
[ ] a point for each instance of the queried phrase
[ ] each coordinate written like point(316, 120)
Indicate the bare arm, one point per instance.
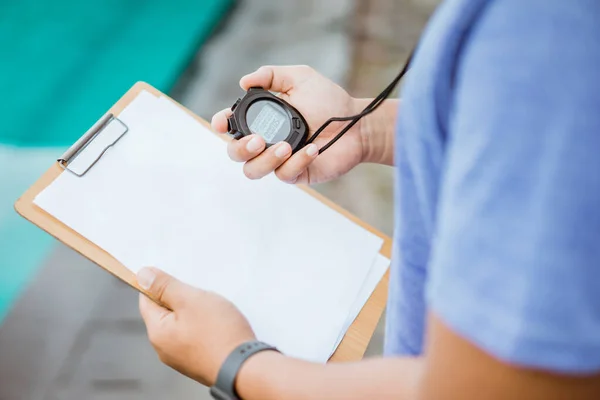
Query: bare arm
point(273, 376)
point(437, 375)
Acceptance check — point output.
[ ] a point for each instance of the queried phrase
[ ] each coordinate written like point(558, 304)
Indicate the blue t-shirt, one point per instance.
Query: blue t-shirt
point(498, 183)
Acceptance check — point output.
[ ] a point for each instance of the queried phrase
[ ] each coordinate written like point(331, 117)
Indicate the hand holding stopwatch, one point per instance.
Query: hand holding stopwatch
point(261, 113)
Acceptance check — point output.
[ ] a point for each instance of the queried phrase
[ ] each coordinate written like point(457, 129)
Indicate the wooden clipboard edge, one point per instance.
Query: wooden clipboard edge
point(354, 343)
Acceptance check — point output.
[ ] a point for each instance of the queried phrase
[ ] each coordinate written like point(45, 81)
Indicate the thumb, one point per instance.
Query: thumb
point(275, 78)
point(163, 288)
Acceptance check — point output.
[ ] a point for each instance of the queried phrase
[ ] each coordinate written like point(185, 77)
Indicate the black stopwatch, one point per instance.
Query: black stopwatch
point(262, 113)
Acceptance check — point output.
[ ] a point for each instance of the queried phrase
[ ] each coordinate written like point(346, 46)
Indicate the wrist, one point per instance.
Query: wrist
point(255, 379)
point(225, 384)
point(377, 131)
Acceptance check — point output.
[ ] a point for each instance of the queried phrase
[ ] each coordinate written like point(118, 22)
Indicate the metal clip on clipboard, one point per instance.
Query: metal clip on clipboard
point(88, 150)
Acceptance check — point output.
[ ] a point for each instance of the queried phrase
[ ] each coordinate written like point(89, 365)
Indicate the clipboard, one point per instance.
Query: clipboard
point(358, 336)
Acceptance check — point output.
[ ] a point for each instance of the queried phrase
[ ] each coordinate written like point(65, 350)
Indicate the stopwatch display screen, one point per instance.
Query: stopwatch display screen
point(269, 120)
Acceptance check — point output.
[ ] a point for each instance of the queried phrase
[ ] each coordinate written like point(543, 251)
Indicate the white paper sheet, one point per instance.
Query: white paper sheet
point(166, 195)
point(380, 265)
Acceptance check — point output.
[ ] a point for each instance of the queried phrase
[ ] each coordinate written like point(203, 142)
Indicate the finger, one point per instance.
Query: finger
point(268, 161)
point(246, 148)
point(219, 120)
point(163, 288)
point(275, 78)
point(151, 312)
point(297, 164)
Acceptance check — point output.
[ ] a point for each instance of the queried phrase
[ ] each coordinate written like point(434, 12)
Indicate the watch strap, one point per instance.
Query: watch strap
point(224, 387)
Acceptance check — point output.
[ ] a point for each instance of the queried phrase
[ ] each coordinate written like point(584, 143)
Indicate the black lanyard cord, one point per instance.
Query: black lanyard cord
point(368, 109)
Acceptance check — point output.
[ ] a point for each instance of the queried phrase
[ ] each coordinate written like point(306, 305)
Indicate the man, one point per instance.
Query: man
point(495, 282)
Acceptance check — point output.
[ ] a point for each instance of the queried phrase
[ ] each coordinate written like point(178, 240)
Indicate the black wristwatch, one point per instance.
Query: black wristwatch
point(224, 387)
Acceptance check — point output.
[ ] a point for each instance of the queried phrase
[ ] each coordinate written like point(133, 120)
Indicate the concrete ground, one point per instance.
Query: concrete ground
point(76, 332)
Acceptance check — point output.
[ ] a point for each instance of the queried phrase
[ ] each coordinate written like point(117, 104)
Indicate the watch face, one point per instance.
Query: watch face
point(269, 120)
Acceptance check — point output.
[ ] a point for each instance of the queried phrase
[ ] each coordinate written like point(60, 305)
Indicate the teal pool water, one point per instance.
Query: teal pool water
point(63, 63)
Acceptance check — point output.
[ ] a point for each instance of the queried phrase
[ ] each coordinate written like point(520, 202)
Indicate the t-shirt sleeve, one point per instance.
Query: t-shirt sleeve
point(515, 263)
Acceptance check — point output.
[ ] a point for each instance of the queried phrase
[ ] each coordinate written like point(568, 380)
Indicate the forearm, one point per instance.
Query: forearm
point(378, 131)
point(270, 375)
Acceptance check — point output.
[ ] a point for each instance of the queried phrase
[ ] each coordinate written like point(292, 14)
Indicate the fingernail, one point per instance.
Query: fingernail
point(254, 144)
point(311, 150)
point(282, 150)
point(145, 278)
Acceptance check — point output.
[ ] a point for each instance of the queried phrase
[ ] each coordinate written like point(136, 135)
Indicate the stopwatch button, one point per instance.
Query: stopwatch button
point(237, 135)
point(231, 125)
point(296, 123)
point(238, 101)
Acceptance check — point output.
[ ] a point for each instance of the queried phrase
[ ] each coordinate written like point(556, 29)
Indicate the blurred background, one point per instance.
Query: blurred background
point(68, 330)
